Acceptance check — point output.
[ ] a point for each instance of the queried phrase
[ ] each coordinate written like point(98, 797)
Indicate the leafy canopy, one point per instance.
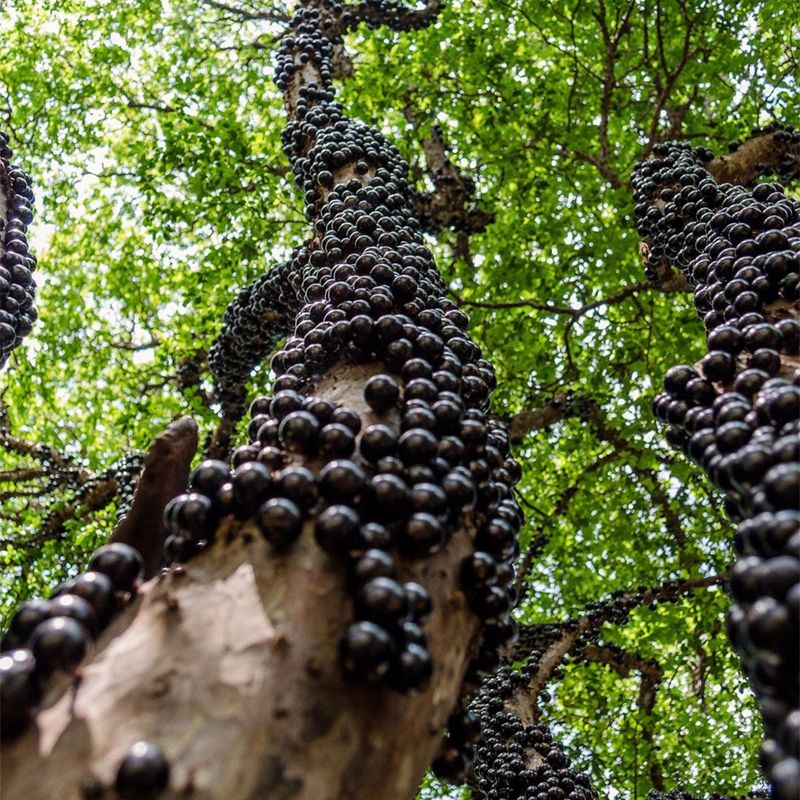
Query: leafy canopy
point(153, 132)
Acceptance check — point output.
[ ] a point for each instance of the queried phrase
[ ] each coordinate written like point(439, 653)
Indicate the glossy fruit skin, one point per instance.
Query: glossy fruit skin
point(366, 651)
point(252, 483)
point(417, 446)
point(98, 590)
point(411, 668)
point(375, 535)
point(372, 564)
point(341, 481)
point(423, 535)
point(382, 601)
point(59, 645)
point(121, 564)
point(477, 571)
point(193, 513)
point(336, 441)
point(377, 441)
point(20, 691)
point(25, 619)
point(381, 392)
point(419, 601)
point(143, 774)
point(299, 485)
point(209, 476)
point(70, 605)
point(298, 432)
point(336, 529)
point(347, 417)
point(280, 522)
point(389, 497)
point(57, 633)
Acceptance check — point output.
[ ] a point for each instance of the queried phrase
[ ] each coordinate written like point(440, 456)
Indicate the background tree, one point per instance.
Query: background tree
point(737, 414)
point(548, 112)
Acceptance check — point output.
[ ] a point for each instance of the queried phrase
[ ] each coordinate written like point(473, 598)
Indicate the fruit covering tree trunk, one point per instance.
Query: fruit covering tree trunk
point(736, 412)
point(331, 596)
point(17, 313)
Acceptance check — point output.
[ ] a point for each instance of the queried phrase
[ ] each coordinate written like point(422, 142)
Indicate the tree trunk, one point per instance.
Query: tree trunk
point(231, 663)
point(17, 287)
point(736, 412)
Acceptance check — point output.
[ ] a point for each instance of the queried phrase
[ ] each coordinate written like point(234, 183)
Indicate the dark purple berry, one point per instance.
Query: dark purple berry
point(381, 392)
point(383, 601)
point(143, 773)
point(59, 645)
point(366, 651)
point(336, 529)
point(19, 691)
point(121, 563)
point(280, 522)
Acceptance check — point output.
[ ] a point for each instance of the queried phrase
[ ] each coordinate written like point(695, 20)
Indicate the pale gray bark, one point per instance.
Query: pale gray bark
point(230, 665)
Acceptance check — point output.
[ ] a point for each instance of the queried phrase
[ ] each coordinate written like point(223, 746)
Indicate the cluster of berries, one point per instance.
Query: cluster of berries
point(17, 285)
point(737, 412)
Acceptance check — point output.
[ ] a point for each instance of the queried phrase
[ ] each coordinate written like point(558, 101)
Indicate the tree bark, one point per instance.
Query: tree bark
point(230, 662)
point(751, 315)
point(765, 151)
point(165, 475)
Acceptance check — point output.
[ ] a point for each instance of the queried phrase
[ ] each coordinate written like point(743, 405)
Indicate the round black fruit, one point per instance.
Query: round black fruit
point(143, 773)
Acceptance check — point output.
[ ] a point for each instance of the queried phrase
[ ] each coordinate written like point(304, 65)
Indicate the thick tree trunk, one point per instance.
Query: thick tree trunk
point(736, 412)
point(231, 663)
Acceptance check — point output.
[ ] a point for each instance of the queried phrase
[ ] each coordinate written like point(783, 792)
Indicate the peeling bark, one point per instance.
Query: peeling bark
point(230, 662)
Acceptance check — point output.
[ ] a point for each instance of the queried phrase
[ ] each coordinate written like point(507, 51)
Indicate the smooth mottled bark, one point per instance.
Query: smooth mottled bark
point(230, 663)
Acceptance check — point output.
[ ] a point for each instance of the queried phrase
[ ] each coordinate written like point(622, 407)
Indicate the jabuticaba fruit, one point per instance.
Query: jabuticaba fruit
point(17, 263)
point(736, 413)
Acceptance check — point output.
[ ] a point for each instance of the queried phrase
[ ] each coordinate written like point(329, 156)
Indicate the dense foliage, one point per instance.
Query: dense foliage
point(152, 131)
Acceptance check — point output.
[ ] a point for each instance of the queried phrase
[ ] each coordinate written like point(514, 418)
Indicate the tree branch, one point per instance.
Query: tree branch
point(449, 206)
point(623, 662)
point(596, 161)
point(23, 474)
point(396, 16)
point(268, 15)
point(767, 151)
point(165, 475)
point(677, 283)
point(137, 347)
point(260, 315)
point(557, 408)
point(555, 641)
point(41, 452)
point(94, 495)
point(541, 536)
